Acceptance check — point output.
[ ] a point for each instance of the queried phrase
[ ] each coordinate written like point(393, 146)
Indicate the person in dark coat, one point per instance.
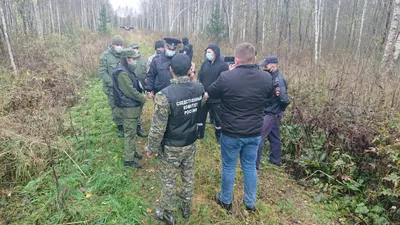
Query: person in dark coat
point(210, 70)
point(276, 105)
point(159, 75)
point(187, 48)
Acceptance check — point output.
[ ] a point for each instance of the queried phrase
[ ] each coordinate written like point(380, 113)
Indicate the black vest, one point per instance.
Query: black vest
point(184, 101)
point(120, 100)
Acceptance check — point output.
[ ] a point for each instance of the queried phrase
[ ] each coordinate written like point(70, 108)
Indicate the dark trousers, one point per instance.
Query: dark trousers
point(213, 108)
point(270, 130)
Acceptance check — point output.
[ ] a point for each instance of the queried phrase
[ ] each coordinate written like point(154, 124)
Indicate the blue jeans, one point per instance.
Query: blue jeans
point(270, 130)
point(230, 150)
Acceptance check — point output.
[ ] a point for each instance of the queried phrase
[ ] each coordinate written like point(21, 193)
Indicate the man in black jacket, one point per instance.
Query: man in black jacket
point(159, 76)
point(212, 67)
point(243, 92)
point(187, 48)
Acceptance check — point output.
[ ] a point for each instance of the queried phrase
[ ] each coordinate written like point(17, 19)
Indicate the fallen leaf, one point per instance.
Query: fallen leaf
point(88, 195)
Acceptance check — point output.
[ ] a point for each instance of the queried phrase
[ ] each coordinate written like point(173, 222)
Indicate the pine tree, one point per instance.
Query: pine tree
point(215, 29)
point(103, 20)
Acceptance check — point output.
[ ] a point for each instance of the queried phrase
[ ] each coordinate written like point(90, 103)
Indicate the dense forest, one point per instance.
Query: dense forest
point(340, 134)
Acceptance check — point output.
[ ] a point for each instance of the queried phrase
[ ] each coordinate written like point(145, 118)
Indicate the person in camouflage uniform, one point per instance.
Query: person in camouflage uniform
point(141, 72)
point(173, 136)
point(159, 48)
point(109, 60)
point(129, 97)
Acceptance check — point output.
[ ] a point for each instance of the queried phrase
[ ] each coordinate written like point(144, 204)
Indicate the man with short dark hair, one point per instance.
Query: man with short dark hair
point(243, 92)
point(174, 130)
point(276, 105)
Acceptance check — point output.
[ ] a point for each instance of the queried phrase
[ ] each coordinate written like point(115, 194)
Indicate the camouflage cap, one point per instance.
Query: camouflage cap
point(129, 53)
point(133, 45)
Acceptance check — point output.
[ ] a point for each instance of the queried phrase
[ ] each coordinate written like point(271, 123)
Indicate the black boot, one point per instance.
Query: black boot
point(120, 131)
point(251, 209)
point(166, 216)
point(140, 132)
point(227, 207)
point(185, 210)
point(132, 164)
point(138, 156)
point(200, 131)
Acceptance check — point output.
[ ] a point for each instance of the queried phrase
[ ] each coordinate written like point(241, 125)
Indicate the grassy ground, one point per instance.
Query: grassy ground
point(95, 188)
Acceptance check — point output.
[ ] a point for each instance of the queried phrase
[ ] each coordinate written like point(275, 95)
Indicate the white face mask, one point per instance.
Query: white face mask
point(136, 50)
point(118, 49)
point(169, 53)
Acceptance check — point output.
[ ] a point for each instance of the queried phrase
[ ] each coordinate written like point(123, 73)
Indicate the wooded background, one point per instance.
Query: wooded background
point(356, 27)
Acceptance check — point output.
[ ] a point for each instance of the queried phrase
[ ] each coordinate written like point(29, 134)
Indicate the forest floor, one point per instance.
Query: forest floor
point(105, 192)
point(95, 187)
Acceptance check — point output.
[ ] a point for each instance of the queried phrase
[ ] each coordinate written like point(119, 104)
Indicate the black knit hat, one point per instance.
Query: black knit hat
point(159, 44)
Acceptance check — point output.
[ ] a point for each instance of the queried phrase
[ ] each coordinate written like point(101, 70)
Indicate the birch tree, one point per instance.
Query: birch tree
point(316, 35)
point(387, 62)
point(361, 27)
point(336, 24)
point(7, 40)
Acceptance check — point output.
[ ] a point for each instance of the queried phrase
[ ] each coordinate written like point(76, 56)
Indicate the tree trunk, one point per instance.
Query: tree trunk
point(38, 19)
point(51, 15)
point(387, 63)
point(3, 21)
point(58, 18)
point(353, 23)
point(316, 23)
point(361, 27)
point(336, 24)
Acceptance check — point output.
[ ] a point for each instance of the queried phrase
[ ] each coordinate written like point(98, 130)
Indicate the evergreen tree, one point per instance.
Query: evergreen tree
point(103, 20)
point(215, 29)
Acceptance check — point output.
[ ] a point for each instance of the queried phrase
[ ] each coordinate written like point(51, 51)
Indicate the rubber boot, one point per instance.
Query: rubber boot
point(120, 131)
point(140, 132)
point(185, 210)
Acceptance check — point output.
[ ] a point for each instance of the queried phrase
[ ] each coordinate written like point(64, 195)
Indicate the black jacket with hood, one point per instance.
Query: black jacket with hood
point(210, 71)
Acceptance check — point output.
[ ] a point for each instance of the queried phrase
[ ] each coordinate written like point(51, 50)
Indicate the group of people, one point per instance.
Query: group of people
point(245, 100)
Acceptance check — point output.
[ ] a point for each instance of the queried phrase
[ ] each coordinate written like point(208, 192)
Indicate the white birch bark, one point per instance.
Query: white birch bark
point(336, 24)
point(387, 63)
point(361, 26)
point(316, 35)
point(3, 20)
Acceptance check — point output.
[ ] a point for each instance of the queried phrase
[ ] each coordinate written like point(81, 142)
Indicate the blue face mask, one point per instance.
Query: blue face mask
point(209, 56)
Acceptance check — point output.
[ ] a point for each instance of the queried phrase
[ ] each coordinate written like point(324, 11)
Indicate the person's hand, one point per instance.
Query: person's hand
point(232, 66)
point(150, 95)
point(206, 96)
point(149, 154)
point(192, 72)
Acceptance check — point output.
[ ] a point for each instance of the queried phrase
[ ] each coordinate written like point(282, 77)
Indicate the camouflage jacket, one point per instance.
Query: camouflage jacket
point(109, 60)
point(160, 118)
point(141, 69)
point(150, 60)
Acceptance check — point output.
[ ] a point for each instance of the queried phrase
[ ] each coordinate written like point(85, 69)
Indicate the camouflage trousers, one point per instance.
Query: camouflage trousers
point(115, 111)
point(172, 162)
point(131, 116)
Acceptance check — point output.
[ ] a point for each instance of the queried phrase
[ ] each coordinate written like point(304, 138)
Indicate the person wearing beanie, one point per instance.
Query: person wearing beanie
point(129, 98)
point(159, 48)
point(141, 72)
point(159, 75)
point(174, 127)
point(187, 48)
point(109, 60)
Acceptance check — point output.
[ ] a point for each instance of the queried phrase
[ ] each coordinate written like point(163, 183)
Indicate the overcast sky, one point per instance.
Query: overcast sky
point(130, 3)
